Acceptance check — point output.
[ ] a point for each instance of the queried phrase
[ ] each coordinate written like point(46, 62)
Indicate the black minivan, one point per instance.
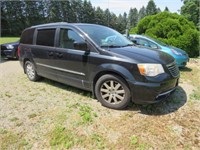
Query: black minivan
point(98, 59)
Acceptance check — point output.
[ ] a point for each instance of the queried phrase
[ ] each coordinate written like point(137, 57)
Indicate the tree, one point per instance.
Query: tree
point(133, 17)
point(121, 23)
point(142, 13)
point(99, 16)
point(66, 11)
point(191, 10)
point(12, 19)
point(166, 9)
point(151, 8)
point(173, 29)
point(88, 12)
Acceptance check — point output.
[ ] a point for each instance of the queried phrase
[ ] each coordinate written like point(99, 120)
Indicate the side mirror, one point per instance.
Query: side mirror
point(81, 46)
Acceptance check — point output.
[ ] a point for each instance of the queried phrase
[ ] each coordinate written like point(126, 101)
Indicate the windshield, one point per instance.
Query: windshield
point(104, 36)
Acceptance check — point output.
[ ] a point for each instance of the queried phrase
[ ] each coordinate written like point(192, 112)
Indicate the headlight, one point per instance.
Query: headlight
point(9, 47)
point(150, 69)
point(176, 53)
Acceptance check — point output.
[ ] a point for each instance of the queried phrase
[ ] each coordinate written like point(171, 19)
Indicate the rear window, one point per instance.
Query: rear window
point(46, 37)
point(27, 36)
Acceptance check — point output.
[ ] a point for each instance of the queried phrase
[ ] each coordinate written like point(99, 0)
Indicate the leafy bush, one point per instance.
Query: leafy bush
point(173, 29)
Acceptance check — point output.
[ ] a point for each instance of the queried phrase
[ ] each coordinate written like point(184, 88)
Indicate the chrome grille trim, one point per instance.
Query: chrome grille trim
point(173, 69)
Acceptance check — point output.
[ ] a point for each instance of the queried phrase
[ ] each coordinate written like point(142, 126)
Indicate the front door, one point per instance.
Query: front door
point(70, 62)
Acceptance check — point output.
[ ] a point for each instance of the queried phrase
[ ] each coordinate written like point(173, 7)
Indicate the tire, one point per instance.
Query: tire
point(31, 72)
point(112, 91)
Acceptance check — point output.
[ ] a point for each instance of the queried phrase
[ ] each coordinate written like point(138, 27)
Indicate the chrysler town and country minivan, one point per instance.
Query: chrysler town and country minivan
point(98, 59)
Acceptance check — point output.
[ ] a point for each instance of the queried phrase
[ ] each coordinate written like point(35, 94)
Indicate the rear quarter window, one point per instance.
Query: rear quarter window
point(27, 36)
point(46, 37)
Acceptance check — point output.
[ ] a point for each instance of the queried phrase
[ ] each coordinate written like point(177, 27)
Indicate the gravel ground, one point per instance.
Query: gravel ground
point(31, 111)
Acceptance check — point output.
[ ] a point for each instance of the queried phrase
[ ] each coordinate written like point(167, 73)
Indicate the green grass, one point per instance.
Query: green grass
point(86, 114)
point(8, 39)
point(62, 138)
point(196, 94)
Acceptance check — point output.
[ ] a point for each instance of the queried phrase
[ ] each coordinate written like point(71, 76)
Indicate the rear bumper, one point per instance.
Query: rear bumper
point(148, 93)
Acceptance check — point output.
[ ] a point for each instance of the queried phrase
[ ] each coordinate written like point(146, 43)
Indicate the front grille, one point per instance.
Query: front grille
point(173, 69)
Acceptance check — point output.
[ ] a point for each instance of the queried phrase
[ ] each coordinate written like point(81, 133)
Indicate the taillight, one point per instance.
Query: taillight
point(18, 51)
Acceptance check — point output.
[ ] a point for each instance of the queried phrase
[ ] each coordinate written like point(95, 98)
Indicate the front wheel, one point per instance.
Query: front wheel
point(30, 71)
point(112, 91)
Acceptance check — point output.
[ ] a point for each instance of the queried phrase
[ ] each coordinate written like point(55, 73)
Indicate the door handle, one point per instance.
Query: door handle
point(50, 53)
point(59, 55)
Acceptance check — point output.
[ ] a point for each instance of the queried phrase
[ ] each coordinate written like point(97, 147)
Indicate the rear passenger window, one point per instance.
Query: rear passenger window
point(27, 36)
point(46, 37)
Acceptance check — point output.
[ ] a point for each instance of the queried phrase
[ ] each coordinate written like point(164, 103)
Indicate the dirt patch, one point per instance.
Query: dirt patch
point(47, 114)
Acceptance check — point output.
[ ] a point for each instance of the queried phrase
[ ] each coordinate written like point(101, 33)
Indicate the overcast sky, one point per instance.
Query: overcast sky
point(121, 6)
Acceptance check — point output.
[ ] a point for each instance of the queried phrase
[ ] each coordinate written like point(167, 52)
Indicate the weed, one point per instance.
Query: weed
point(18, 124)
point(98, 140)
point(134, 140)
point(76, 105)
point(62, 138)
point(7, 94)
point(3, 131)
point(86, 114)
point(12, 141)
point(14, 119)
point(196, 94)
point(32, 116)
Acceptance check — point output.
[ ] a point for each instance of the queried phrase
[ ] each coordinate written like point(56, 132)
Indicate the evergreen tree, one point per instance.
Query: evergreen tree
point(142, 13)
point(107, 16)
point(166, 9)
point(158, 10)
point(191, 10)
point(151, 8)
point(99, 16)
point(88, 12)
point(77, 11)
point(133, 17)
point(66, 11)
point(54, 11)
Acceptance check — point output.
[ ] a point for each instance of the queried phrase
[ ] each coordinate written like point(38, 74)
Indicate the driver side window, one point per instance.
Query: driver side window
point(142, 42)
point(146, 43)
point(68, 37)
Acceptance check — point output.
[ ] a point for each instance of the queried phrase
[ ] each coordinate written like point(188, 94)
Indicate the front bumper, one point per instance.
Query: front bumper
point(8, 53)
point(147, 93)
point(182, 61)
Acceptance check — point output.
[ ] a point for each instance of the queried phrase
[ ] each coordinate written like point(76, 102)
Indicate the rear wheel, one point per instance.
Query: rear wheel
point(112, 91)
point(30, 71)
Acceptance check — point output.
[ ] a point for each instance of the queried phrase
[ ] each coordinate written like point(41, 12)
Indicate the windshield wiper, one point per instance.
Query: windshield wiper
point(128, 45)
point(110, 46)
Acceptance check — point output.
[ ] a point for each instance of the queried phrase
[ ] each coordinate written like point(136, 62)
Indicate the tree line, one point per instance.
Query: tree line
point(18, 15)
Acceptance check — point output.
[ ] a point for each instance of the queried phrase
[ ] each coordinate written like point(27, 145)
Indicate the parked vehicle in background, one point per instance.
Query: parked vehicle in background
point(180, 55)
point(9, 50)
point(98, 59)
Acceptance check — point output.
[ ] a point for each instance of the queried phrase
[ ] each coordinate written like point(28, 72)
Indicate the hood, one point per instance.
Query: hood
point(143, 55)
point(12, 43)
point(178, 50)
